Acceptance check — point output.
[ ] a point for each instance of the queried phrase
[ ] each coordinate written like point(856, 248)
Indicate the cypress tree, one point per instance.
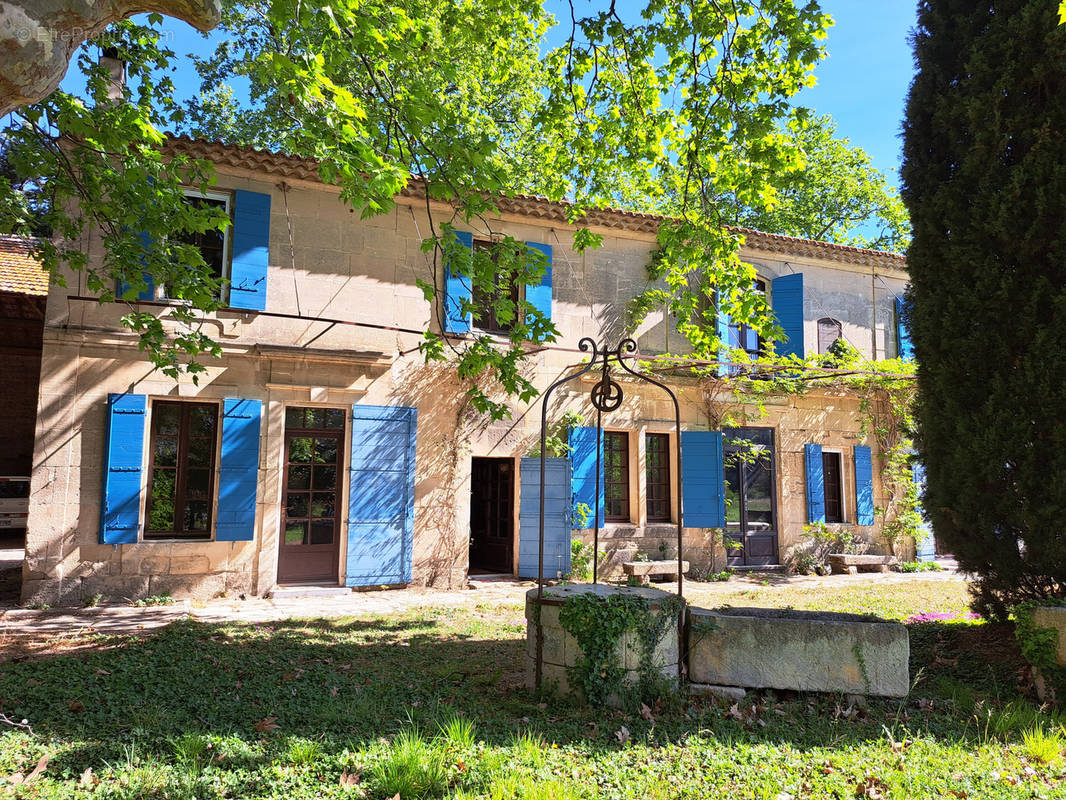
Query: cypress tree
point(984, 179)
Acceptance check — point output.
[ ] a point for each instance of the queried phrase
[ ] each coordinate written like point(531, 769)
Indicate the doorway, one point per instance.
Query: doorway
point(750, 497)
point(492, 515)
point(310, 525)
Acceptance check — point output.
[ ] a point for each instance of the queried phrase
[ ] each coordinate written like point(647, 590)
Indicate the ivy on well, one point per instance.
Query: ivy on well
point(1039, 645)
point(599, 624)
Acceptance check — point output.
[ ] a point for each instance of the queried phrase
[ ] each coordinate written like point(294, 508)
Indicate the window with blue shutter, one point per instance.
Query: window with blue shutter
point(812, 454)
point(904, 348)
point(540, 296)
point(702, 479)
point(120, 503)
point(864, 486)
point(238, 473)
point(457, 288)
point(381, 495)
point(251, 250)
point(582, 443)
point(787, 301)
point(148, 293)
point(557, 517)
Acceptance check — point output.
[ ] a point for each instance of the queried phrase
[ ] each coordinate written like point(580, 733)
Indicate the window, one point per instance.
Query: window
point(829, 330)
point(657, 458)
point(616, 476)
point(484, 312)
point(213, 244)
point(747, 338)
point(181, 482)
point(832, 481)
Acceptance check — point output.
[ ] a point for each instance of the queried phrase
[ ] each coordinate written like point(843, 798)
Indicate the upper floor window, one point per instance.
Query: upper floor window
point(181, 481)
point(829, 330)
point(485, 312)
point(747, 338)
point(213, 244)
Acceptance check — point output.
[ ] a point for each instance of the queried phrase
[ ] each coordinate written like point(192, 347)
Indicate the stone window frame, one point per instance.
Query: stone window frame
point(149, 535)
point(842, 499)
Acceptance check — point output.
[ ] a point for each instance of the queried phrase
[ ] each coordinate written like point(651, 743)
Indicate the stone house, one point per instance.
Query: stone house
point(321, 449)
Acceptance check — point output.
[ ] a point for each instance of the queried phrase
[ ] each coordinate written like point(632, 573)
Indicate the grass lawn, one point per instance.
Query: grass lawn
point(431, 704)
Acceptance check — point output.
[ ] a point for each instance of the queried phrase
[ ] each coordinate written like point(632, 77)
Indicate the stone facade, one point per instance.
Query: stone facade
point(339, 269)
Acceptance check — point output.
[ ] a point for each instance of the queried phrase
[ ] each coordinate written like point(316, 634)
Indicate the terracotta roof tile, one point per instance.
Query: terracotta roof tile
point(298, 167)
point(19, 271)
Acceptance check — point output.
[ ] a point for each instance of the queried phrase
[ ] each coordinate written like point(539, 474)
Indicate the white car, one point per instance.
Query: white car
point(14, 501)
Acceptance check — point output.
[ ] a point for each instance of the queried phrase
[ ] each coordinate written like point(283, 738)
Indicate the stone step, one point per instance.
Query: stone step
point(291, 592)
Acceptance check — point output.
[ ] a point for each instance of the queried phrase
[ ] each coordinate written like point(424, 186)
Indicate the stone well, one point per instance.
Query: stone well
point(561, 650)
point(808, 651)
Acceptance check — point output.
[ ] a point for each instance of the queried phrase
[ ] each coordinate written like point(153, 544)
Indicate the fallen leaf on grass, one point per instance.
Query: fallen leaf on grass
point(19, 779)
point(349, 778)
point(645, 712)
point(87, 778)
point(266, 725)
point(593, 730)
point(622, 735)
point(77, 706)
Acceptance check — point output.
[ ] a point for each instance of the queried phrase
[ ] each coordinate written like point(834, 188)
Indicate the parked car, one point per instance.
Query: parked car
point(14, 501)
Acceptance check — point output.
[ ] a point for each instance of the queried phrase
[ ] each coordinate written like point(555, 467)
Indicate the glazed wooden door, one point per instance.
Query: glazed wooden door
point(310, 528)
point(750, 497)
point(492, 515)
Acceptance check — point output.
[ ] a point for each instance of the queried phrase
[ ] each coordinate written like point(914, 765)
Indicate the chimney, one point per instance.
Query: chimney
point(110, 61)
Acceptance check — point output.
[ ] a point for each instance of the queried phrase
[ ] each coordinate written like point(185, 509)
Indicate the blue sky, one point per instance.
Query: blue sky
point(862, 84)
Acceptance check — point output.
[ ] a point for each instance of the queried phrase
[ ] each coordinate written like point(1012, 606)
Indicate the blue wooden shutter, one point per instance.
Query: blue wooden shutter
point(864, 486)
point(702, 479)
point(904, 348)
point(251, 250)
point(238, 471)
point(457, 290)
point(815, 483)
point(381, 495)
point(540, 296)
point(787, 299)
point(556, 517)
point(582, 443)
point(721, 329)
point(120, 502)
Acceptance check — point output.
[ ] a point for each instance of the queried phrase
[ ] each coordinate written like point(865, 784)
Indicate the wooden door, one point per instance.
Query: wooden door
point(310, 525)
point(492, 515)
point(750, 497)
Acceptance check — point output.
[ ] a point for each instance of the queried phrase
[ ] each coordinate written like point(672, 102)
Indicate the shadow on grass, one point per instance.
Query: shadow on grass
point(348, 682)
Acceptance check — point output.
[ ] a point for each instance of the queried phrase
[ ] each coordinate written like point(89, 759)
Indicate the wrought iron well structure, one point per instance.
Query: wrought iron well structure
point(606, 396)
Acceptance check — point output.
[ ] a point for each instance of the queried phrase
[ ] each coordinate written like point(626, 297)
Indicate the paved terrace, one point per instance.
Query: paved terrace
point(40, 625)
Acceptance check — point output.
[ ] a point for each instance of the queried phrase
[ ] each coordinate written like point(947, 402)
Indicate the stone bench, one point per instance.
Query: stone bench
point(646, 570)
point(849, 564)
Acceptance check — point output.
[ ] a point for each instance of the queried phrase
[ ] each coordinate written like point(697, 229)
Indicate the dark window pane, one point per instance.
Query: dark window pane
point(198, 484)
point(295, 532)
point(325, 478)
point(732, 497)
point(200, 452)
point(296, 417)
point(300, 450)
point(161, 515)
point(322, 506)
point(657, 459)
point(831, 482)
point(166, 453)
point(325, 451)
point(196, 515)
point(202, 422)
point(296, 506)
point(299, 477)
point(163, 483)
point(166, 418)
point(315, 417)
point(616, 475)
point(335, 418)
point(322, 532)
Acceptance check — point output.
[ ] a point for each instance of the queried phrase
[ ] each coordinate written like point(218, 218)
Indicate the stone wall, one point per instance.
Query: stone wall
point(342, 268)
